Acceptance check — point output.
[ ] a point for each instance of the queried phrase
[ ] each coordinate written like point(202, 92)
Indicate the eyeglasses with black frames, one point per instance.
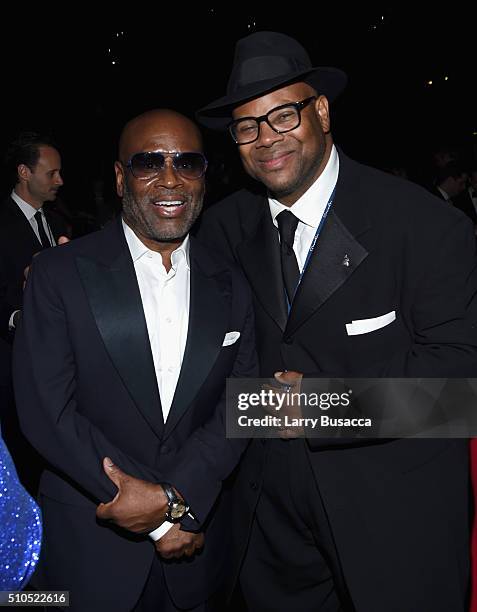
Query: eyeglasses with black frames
point(281, 119)
point(149, 164)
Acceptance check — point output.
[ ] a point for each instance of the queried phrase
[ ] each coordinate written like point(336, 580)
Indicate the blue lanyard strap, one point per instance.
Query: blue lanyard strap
point(313, 243)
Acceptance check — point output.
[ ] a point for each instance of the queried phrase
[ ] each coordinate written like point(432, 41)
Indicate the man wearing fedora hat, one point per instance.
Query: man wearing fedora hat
point(376, 525)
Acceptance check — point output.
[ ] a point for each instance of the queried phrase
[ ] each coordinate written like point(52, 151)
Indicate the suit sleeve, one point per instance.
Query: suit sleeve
point(46, 395)
point(208, 457)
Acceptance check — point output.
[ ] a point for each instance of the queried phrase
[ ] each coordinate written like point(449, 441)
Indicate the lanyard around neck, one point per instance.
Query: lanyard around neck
point(313, 244)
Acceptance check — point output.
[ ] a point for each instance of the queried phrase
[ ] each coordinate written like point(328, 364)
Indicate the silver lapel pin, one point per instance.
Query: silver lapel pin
point(346, 261)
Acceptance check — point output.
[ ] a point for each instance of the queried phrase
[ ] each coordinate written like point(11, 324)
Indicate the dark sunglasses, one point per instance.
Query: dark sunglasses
point(147, 165)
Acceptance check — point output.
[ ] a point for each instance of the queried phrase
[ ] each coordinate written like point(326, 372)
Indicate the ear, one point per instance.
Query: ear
point(120, 178)
point(23, 172)
point(323, 111)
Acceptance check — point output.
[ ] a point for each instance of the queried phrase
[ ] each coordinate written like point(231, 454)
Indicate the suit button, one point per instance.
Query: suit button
point(254, 485)
point(288, 340)
point(164, 450)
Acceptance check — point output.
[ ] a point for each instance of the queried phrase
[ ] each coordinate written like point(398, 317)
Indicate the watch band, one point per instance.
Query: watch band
point(169, 491)
point(172, 499)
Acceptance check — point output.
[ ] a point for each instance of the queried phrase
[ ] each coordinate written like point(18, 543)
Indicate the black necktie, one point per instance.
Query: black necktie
point(287, 224)
point(45, 243)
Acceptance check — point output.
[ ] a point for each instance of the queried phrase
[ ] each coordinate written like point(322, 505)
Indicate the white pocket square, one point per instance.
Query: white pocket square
point(364, 326)
point(230, 338)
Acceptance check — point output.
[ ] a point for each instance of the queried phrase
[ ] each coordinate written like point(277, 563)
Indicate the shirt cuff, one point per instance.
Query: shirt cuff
point(160, 531)
point(165, 526)
point(11, 324)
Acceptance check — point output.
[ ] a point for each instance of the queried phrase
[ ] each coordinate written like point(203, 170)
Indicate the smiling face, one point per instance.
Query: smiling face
point(161, 209)
point(288, 164)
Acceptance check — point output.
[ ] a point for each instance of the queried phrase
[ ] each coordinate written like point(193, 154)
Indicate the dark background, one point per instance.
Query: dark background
point(58, 75)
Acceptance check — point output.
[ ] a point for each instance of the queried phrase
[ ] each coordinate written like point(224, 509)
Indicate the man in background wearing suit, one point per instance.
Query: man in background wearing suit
point(120, 362)
point(26, 226)
point(354, 273)
point(451, 181)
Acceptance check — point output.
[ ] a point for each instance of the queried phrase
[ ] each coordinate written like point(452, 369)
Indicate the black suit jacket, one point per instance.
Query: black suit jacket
point(86, 388)
point(18, 244)
point(390, 505)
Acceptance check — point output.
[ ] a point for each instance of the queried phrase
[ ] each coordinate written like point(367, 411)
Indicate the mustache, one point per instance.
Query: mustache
point(170, 193)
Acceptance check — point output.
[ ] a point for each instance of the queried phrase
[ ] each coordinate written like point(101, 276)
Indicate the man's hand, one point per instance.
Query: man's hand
point(138, 506)
point(290, 379)
point(176, 543)
point(292, 382)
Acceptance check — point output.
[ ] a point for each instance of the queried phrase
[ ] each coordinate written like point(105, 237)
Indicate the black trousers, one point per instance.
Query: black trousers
point(291, 561)
point(155, 596)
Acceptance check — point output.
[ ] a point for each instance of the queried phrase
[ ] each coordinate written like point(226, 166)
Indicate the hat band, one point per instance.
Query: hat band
point(263, 68)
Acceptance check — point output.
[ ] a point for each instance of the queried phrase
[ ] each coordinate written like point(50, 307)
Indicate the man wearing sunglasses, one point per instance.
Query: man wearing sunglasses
point(120, 365)
point(349, 280)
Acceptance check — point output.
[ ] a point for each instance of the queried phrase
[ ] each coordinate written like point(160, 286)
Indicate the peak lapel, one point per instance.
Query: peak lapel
point(210, 302)
point(336, 256)
point(338, 252)
point(113, 293)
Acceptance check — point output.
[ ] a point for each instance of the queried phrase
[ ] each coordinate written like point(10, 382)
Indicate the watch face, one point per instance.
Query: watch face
point(178, 510)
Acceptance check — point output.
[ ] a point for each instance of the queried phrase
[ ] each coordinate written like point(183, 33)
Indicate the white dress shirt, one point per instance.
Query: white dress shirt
point(165, 299)
point(309, 208)
point(445, 195)
point(30, 211)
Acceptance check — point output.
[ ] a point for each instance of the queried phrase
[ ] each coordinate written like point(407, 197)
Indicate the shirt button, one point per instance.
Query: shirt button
point(170, 369)
point(168, 320)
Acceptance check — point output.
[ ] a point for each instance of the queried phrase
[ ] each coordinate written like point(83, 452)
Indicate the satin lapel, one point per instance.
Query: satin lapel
point(113, 294)
point(340, 248)
point(336, 256)
point(210, 303)
point(260, 259)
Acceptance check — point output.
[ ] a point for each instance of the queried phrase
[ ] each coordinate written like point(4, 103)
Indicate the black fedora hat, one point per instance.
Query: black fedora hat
point(263, 62)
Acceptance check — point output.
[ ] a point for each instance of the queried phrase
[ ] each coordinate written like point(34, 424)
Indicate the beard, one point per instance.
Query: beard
point(140, 216)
